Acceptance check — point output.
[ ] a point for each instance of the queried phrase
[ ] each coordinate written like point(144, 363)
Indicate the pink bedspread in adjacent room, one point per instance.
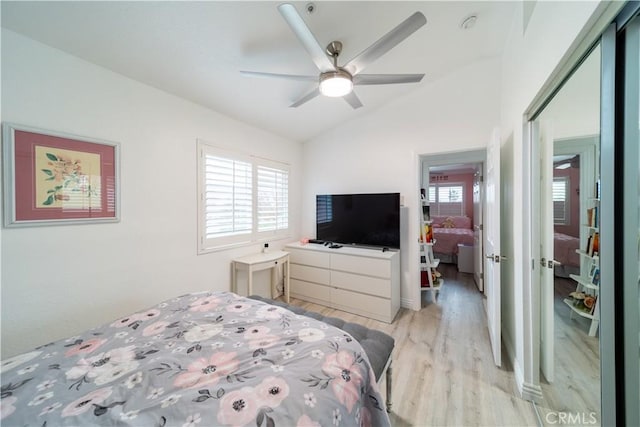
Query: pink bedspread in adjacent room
point(564, 249)
point(447, 239)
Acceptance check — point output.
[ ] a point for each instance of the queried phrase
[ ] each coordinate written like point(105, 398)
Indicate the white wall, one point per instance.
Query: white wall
point(528, 62)
point(379, 153)
point(60, 280)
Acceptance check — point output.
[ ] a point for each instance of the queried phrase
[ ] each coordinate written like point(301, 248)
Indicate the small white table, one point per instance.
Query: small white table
point(258, 262)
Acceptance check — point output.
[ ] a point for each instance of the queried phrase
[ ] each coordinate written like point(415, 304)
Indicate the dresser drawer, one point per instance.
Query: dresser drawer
point(311, 258)
point(365, 284)
point(361, 265)
point(310, 274)
point(306, 290)
point(365, 305)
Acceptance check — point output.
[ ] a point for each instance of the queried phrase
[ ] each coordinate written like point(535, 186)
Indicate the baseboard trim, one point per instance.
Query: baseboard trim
point(532, 392)
point(408, 303)
point(527, 391)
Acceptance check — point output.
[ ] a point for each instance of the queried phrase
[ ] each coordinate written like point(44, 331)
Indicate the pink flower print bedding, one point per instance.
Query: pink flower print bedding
point(210, 359)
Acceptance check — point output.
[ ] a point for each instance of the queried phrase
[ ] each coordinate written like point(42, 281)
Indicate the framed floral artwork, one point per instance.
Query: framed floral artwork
point(57, 178)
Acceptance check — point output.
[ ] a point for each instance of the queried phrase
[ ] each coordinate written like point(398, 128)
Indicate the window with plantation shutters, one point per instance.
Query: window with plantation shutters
point(273, 199)
point(228, 200)
point(446, 199)
point(243, 199)
point(560, 191)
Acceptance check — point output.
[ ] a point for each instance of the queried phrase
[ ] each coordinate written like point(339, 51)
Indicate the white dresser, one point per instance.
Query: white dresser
point(356, 280)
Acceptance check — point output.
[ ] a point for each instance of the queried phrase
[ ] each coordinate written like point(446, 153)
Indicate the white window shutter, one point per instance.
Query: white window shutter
point(560, 194)
point(228, 199)
point(273, 199)
point(446, 199)
point(243, 199)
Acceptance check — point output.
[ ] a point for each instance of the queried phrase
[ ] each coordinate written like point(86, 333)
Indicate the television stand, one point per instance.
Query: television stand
point(364, 281)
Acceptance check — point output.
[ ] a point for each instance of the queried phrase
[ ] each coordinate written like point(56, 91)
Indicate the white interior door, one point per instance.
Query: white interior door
point(547, 338)
point(492, 245)
point(478, 240)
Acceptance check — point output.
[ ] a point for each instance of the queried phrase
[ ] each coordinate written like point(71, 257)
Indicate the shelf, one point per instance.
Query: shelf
point(436, 286)
point(584, 281)
point(577, 310)
point(427, 243)
point(593, 199)
point(434, 264)
point(591, 227)
point(584, 254)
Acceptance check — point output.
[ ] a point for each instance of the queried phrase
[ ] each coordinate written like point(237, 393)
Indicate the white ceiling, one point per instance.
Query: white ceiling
point(195, 50)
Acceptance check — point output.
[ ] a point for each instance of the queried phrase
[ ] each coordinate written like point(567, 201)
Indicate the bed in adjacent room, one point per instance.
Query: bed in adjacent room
point(564, 251)
point(211, 358)
point(448, 233)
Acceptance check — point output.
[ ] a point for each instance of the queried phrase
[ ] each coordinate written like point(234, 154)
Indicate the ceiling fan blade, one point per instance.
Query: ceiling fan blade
point(306, 37)
point(386, 79)
point(308, 97)
point(280, 76)
point(353, 100)
point(386, 43)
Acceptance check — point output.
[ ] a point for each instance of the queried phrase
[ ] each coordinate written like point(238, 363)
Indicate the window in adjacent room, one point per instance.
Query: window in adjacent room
point(242, 199)
point(561, 200)
point(446, 199)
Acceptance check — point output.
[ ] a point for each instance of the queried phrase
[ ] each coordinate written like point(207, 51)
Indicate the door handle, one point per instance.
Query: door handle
point(553, 262)
point(496, 258)
point(549, 263)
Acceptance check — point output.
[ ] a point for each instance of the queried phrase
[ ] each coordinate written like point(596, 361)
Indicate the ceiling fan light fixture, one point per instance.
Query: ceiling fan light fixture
point(336, 83)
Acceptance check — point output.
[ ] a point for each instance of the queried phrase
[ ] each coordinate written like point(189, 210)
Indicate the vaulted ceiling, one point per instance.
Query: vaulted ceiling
point(195, 50)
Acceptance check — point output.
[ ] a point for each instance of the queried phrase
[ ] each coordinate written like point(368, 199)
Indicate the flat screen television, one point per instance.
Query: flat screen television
point(359, 219)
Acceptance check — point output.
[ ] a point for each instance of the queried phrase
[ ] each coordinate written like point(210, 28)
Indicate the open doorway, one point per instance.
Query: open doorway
point(454, 194)
point(482, 219)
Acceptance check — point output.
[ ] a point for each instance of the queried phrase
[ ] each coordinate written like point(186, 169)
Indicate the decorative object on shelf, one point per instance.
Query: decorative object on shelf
point(426, 236)
point(595, 277)
point(57, 178)
point(593, 243)
point(426, 212)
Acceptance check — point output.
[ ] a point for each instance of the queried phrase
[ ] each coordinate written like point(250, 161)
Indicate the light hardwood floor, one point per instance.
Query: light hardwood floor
point(576, 387)
point(443, 370)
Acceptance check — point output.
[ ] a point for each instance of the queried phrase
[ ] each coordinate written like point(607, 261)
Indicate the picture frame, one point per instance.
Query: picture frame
point(595, 277)
point(56, 178)
point(592, 270)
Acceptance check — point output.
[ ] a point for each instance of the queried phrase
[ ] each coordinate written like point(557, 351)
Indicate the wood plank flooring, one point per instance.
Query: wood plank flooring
point(576, 388)
point(443, 371)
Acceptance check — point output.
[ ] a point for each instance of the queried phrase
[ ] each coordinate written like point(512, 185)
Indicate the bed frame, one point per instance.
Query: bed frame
point(376, 344)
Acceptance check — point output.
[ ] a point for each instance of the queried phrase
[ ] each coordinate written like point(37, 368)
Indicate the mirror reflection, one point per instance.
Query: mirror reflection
point(570, 358)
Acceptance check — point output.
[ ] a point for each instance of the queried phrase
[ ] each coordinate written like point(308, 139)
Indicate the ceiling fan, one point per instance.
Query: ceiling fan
point(338, 81)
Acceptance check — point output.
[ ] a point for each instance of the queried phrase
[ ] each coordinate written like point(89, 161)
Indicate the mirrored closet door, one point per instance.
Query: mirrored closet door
point(565, 215)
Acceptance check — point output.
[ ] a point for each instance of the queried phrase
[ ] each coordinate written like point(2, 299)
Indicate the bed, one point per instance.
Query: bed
point(448, 233)
point(203, 359)
point(564, 251)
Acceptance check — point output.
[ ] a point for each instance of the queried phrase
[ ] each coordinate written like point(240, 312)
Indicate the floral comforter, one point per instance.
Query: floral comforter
point(197, 360)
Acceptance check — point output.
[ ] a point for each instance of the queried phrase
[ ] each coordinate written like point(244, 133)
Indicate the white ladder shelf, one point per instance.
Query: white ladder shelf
point(428, 263)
